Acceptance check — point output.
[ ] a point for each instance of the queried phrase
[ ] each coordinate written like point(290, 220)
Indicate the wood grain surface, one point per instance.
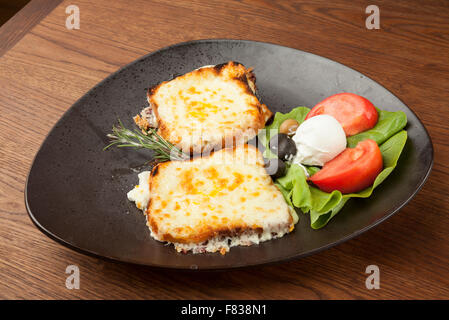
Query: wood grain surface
point(9, 8)
point(51, 67)
point(16, 27)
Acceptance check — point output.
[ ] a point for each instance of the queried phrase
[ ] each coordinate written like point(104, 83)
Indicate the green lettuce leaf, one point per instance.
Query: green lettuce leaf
point(323, 206)
point(298, 113)
point(319, 220)
point(295, 181)
point(388, 124)
point(287, 195)
point(391, 151)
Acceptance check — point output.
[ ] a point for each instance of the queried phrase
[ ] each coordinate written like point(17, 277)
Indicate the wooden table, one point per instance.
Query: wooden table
point(50, 67)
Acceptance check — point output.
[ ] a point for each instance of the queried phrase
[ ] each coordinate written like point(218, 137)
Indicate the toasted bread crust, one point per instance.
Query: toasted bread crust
point(232, 71)
point(141, 122)
point(204, 231)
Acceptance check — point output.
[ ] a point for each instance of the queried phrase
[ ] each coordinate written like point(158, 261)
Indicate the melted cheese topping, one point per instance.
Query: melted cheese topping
point(204, 106)
point(228, 193)
point(140, 194)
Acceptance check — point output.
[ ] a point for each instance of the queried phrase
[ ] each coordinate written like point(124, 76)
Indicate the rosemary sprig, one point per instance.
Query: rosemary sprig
point(165, 151)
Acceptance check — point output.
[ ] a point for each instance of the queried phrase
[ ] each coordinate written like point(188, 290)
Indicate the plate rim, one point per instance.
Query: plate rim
point(233, 266)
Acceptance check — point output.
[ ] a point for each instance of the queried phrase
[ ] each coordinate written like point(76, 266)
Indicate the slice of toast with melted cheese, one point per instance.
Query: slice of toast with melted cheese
point(206, 109)
point(213, 203)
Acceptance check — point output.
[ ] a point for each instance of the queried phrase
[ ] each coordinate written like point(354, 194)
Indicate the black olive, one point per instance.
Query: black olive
point(275, 167)
point(283, 146)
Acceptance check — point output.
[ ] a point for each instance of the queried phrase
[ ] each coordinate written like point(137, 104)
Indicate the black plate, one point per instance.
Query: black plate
point(76, 193)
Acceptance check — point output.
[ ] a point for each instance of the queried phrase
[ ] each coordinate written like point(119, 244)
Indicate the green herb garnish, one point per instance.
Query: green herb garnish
point(149, 139)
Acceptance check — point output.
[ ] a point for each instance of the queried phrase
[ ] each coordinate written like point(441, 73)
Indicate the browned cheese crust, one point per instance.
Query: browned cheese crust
point(238, 133)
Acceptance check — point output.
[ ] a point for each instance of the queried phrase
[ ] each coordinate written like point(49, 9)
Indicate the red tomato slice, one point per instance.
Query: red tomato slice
point(355, 113)
point(352, 170)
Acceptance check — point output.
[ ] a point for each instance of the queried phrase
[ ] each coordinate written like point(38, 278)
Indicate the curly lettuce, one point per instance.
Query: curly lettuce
point(323, 206)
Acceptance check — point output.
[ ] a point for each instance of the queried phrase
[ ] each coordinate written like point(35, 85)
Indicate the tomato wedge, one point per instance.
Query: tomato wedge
point(355, 113)
point(352, 170)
